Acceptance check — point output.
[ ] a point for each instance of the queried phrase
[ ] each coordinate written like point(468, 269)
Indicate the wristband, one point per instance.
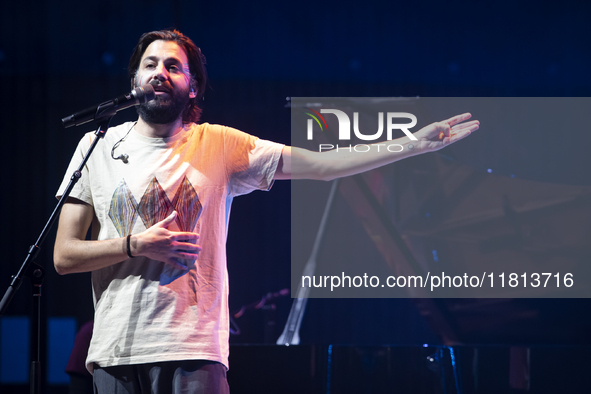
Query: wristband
point(129, 246)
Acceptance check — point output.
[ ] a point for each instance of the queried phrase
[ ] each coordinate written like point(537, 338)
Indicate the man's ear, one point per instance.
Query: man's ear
point(193, 90)
point(132, 83)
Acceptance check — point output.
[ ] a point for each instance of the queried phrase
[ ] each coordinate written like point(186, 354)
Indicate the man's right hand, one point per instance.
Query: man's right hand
point(73, 253)
point(161, 244)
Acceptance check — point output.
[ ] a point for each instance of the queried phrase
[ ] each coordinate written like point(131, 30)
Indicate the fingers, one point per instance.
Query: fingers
point(457, 119)
point(185, 246)
point(175, 248)
point(182, 253)
point(444, 130)
point(181, 236)
point(468, 125)
point(455, 128)
point(168, 221)
point(186, 249)
point(472, 126)
point(458, 132)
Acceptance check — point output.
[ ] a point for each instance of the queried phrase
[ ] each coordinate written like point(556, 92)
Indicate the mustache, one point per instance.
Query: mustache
point(160, 86)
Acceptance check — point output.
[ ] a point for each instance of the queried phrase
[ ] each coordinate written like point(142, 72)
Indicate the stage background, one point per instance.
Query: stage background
point(59, 57)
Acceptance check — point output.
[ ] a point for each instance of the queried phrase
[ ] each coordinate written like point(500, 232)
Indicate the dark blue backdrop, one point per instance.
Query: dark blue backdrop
point(58, 57)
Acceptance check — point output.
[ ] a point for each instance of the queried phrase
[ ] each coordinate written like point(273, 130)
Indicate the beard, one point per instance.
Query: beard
point(165, 110)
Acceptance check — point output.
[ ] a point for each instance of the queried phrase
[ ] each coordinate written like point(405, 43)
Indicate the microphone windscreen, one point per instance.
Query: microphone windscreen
point(145, 93)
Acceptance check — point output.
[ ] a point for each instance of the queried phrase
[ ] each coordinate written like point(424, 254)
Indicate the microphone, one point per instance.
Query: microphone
point(138, 96)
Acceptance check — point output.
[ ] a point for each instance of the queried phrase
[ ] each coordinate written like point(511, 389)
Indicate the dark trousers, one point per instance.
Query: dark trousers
point(175, 377)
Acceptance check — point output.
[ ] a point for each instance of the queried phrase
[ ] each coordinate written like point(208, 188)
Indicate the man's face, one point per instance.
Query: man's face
point(164, 64)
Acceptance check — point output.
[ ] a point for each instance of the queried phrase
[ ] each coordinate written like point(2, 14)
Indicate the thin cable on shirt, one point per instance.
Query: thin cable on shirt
point(123, 157)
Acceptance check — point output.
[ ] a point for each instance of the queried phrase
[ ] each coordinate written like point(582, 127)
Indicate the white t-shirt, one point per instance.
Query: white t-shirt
point(146, 311)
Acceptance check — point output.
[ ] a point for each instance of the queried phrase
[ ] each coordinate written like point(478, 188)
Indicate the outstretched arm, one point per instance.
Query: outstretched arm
point(297, 163)
point(72, 253)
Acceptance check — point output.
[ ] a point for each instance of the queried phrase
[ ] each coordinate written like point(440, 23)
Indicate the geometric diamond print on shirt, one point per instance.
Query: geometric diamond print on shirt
point(154, 205)
point(123, 210)
point(187, 204)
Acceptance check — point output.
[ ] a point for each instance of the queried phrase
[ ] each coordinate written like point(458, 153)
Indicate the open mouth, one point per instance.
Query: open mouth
point(161, 90)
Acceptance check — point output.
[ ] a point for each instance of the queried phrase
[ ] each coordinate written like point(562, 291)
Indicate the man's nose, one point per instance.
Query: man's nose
point(160, 73)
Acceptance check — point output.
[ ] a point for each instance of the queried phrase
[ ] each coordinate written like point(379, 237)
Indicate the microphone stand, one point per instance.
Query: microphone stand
point(291, 331)
point(35, 272)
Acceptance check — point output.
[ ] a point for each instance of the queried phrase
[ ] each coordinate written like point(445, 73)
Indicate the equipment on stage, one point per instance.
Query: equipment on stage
point(139, 95)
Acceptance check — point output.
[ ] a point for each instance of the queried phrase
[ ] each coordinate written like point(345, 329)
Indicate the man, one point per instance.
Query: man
point(159, 220)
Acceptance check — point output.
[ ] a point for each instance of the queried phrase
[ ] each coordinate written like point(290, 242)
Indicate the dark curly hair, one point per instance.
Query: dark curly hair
point(196, 65)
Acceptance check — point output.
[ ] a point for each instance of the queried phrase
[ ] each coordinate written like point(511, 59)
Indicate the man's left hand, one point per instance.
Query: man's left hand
point(440, 134)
